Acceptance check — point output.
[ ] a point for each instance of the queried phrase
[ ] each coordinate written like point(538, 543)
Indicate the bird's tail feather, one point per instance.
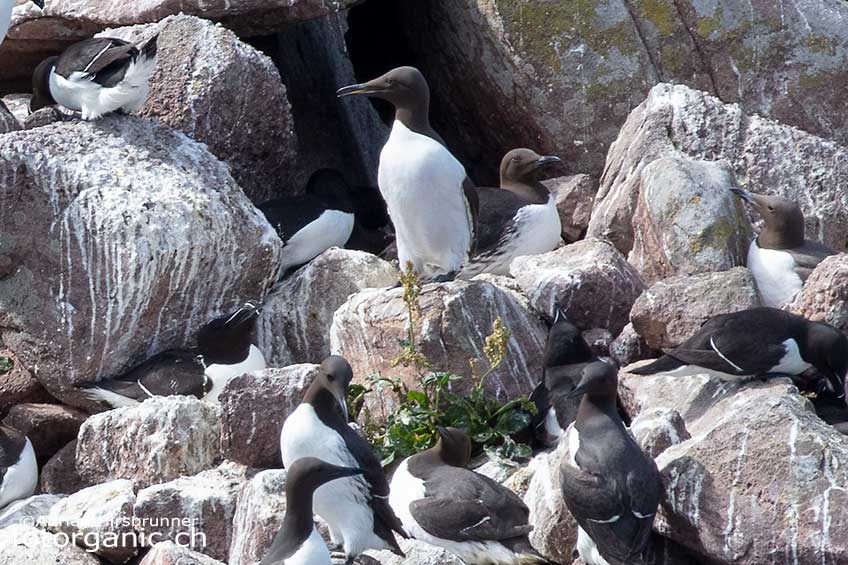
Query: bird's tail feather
point(661, 365)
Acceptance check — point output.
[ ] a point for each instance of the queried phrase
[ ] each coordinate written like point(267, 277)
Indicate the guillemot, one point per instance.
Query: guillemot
point(18, 467)
point(95, 77)
point(526, 224)
point(442, 503)
point(431, 201)
point(759, 342)
point(609, 485)
point(356, 509)
point(566, 353)
point(224, 350)
point(6, 15)
point(298, 541)
point(780, 258)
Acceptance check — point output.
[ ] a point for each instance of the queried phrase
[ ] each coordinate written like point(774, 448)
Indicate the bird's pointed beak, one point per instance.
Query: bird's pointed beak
point(548, 160)
point(578, 391)
point(39, 3)
point(353, 90)
point(348, 472)
point(343, 406)
point(559, 315)
point(744, 195)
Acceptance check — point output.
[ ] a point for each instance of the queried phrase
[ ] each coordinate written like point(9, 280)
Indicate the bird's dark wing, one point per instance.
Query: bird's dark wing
point(92, 57)
point(174, 372)
point(808, 256)
point(473, 200)
point(290, 215)
point(11, 444)
point(497, 210)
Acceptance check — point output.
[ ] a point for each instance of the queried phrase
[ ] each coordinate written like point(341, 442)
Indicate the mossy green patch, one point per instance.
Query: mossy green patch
point(706, 26)
point(661, 13)
point(821, 44)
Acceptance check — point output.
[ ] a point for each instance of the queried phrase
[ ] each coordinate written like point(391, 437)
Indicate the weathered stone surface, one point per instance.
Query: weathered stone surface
point(598, 340)
point(589, 279)
point(202, 74)
point(201, 508)
point(671, 310)
point(21, 543)
point(658, 429)
point(59, 475)
point(629, 346)
point(455, 320)
point(824, 296)
point(253, 409)
point(259, 514)
point(761, 477)
point(765, 157)
point(574, 198)
point(159, 440)
point(169, 553)
point(687, 221)
point(99, 518)
point(8, 121)
point(417, 553)
point(562, 76)
point(48, 426)
point(120, 239)
point(295, 322)
point(18, 386)
point(28, 510)
point(554, 529)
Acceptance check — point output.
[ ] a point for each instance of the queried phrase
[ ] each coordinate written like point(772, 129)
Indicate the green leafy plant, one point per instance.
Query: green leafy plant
point(412, 426)
point(6, 364)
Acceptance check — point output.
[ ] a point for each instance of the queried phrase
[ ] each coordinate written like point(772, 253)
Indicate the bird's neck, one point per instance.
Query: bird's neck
point(416, 117)
point(598, 405)
point(530, 192)
point(785, 237)
point(325, 405)
point(298, 519)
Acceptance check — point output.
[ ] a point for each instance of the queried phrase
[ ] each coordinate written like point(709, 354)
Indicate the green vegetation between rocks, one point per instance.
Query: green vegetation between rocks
point(6, 364)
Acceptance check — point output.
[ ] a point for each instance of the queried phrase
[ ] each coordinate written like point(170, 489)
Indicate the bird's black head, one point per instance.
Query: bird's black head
point(453, 447)
point(334, 376)
point(308, 473)
point(565, 345)
point(784, 220)
point(331, 187)
point(41, 96)
point(524, 166)
point(827, 348)
point(598, 379)
point(405, 87)
point(226, 339)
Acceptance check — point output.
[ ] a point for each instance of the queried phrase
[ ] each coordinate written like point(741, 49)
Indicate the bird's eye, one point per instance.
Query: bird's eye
point(390, 81)
point(771, 208)
point(330, 377)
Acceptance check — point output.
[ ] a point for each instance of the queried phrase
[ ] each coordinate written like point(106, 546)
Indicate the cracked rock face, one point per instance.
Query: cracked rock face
point(824, 296)
point(120, 239)
point(25, 544)
point(259, 514)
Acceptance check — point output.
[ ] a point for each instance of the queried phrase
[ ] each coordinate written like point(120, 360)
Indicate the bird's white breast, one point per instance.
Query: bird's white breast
point(791, 363)
point(20, 479)
point(221, 374)
point(312, 552)
point(773, 271)
point(331, 229)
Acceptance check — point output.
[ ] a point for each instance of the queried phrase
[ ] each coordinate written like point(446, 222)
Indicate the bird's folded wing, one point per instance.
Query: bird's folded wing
point(473, 202)
point(808, 257)
point(93, 55)
point(465, 520)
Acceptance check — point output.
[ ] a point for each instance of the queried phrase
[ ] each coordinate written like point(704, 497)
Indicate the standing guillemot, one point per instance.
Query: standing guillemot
point(780, 258)
point(759, 342)
point(528, 224)
point(311, 223)
point(6, 15)
point(609, 485)
point(566, 353)
point(356, 509)
point(431, 201)
point(442, 503)
point(18, 467)
point(224, 350)
point(298, 541)
point(95, 77)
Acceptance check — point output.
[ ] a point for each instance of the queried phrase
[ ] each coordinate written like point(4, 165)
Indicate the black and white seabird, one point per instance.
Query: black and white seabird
point(224, 350)
point(18, 467)
point(298, 541)
point(527, 223)
point(356, 509)
point(6, 7)
point(431, 201)
point(759, 342)
point(95, 77)
point(780, 258)
point(566, 353)
point(609, 485)
point(442, 503)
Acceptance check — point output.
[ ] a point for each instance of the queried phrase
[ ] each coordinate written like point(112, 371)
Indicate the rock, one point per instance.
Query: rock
point(159, 440)
point(598, 340)
point(765, 157)
point(574, 198)
point(49, 427)
point(21, 543)
point(43, 117)
point(8, 121)
point(658, 429)
point(687, 221)
point(589, 279)
point(253, 409)
point(499, 471)
point(59, 475)
point(169, 553)
point(629, 346)
point(671, 310)
point(259, 515)
point(202, 74)
point(758, 479)
point(111, 206)
point(554, 529)
point(98, 518)
point(562, 76)
point(417, 553)
point(295, 322)
point(203, 504)
point(455, 321)
point(17, 385)
point(28, 511)
point(824, 296)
